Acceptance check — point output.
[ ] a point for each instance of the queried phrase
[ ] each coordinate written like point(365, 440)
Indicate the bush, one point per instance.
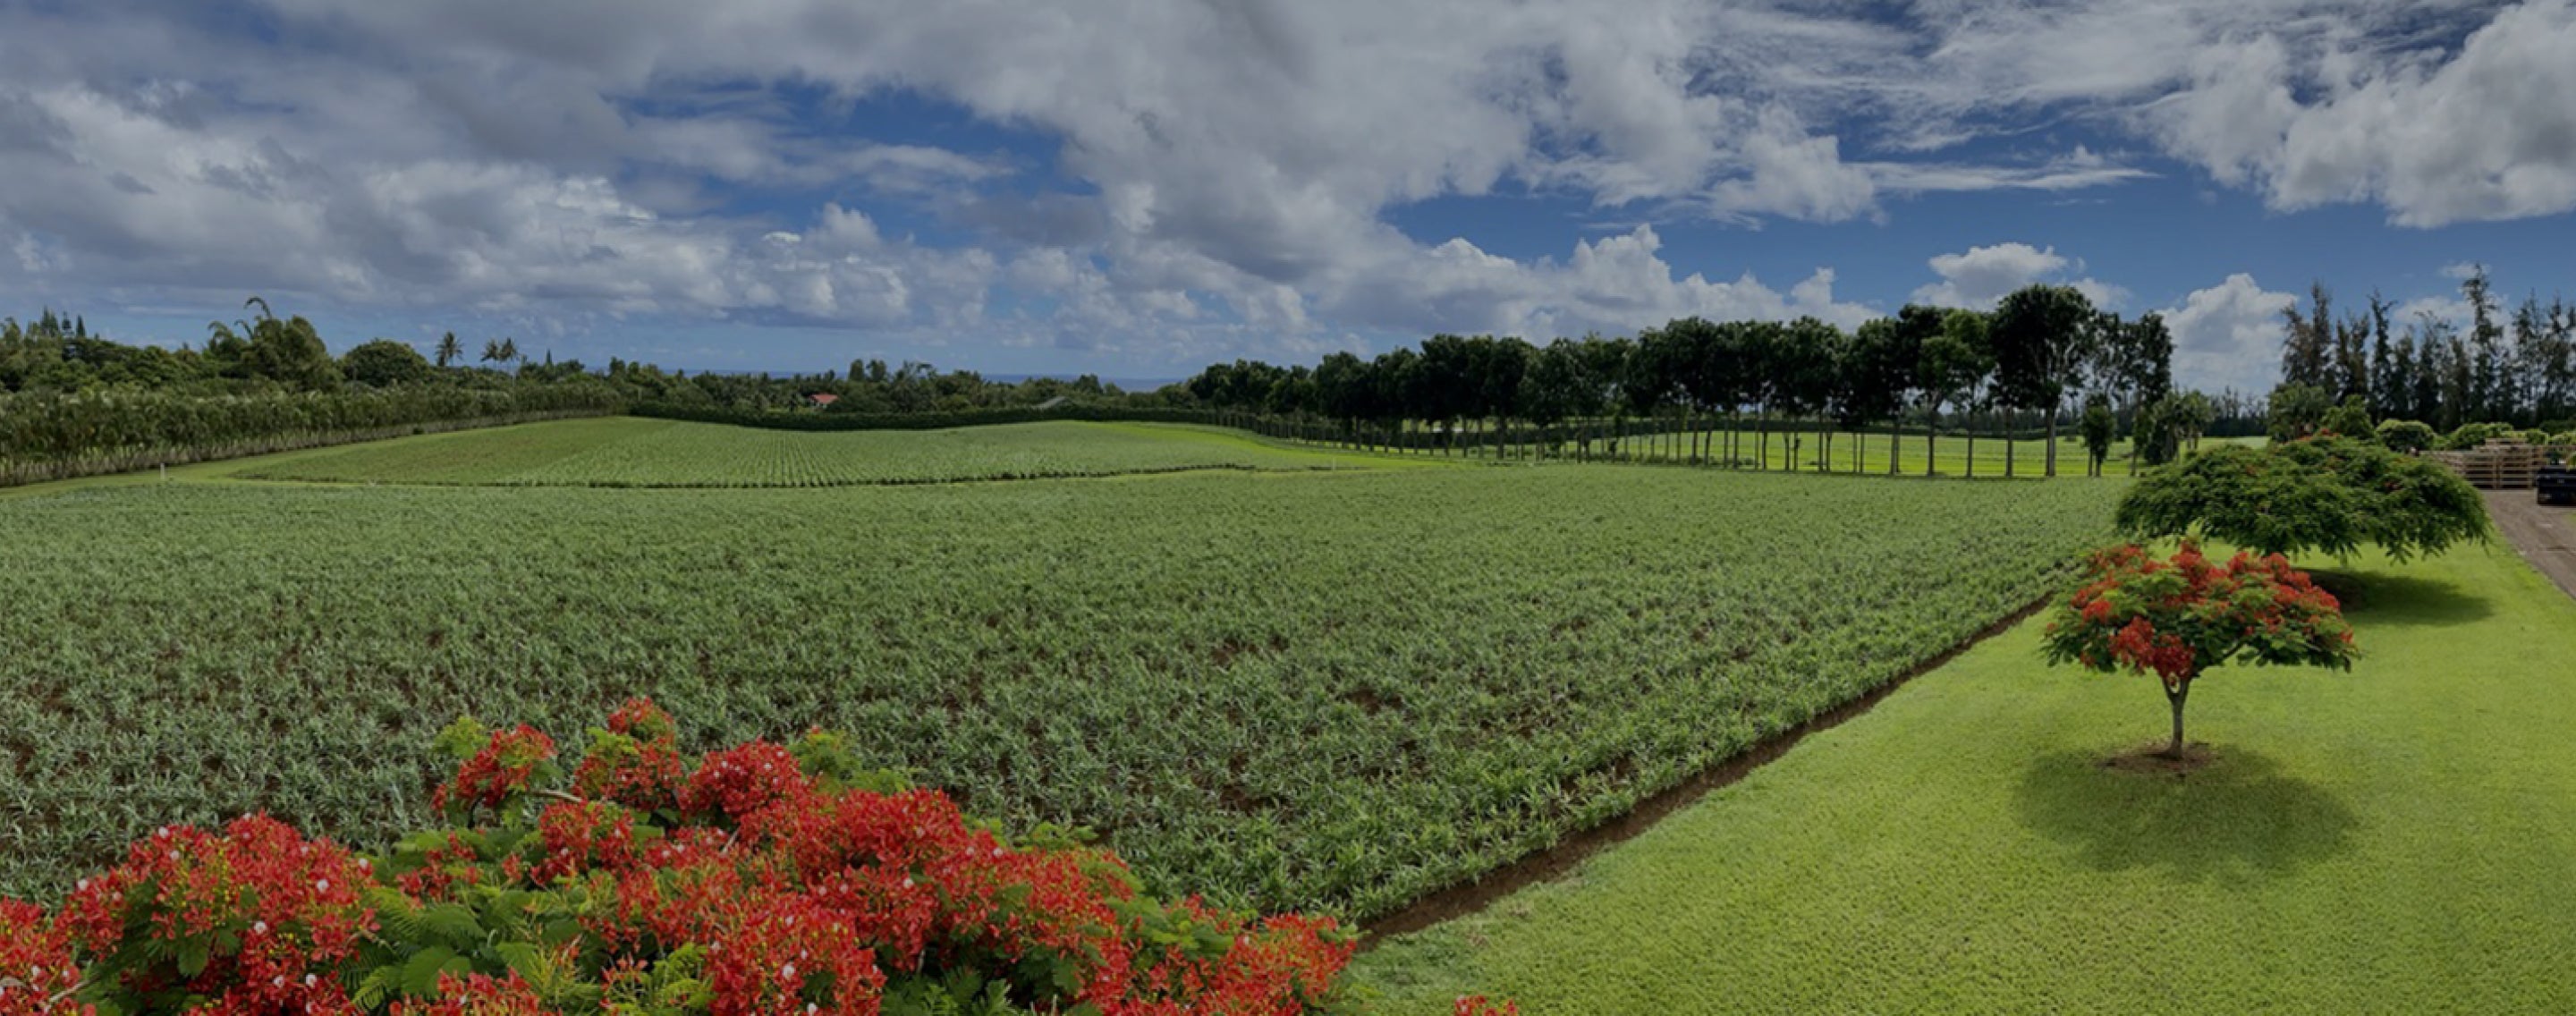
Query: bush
point(2566, 439)
point(2297, 411)
point(2471, 435)
point(2351, 419)
point(2408, 435)
point(2328, 494)
point(766, 879)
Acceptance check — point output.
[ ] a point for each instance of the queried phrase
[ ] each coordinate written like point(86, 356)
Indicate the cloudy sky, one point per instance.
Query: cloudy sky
point(1137, 187)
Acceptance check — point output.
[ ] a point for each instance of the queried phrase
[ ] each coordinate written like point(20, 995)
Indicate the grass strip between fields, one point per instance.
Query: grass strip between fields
point(2385, 841)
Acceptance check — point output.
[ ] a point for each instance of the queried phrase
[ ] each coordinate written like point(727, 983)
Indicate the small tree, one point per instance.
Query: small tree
point(2297, 411)
point(384, 363)
point(2352, 420)
point(2099, 428)
point(2177, 619)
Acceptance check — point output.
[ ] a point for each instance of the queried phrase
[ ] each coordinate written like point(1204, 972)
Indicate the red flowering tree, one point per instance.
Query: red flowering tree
point(2177, 618)
point(763, 880)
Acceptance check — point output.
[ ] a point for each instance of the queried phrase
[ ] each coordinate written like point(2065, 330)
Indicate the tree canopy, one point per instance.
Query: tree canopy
point(2329, 494)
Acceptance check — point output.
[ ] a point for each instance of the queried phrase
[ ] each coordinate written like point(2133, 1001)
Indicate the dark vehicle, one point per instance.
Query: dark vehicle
point(2556, 483)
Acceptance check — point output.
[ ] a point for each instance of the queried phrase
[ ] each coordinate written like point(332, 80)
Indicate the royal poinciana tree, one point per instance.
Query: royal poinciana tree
point(2178, 618)
point(763, 880)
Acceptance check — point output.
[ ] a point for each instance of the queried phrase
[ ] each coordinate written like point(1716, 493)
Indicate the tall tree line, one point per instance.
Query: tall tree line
point(1699, 384)
point(2515, 366)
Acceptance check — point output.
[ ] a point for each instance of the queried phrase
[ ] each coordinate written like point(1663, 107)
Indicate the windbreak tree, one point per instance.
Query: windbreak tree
point(2041, 335)
point(2100, 429)
point(2177, 619)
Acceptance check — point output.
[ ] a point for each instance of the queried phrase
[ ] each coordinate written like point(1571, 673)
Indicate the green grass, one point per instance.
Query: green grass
point(2395, 840)
point(630, 452)
point(1322, 689)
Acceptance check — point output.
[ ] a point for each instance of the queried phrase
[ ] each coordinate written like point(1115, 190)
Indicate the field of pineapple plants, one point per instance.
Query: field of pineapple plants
point(1320, 690)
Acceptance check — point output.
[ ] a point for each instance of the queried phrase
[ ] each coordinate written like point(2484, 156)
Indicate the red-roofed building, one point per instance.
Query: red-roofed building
point(822, 400)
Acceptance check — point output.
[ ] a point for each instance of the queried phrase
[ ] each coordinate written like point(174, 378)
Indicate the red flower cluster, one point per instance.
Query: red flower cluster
point(258, 919)
point(500, 769)
point(635, 762)
point(37, 973)
point(767, 888)
point(478, 995)
point(1475, 1005)
point(2176, 618)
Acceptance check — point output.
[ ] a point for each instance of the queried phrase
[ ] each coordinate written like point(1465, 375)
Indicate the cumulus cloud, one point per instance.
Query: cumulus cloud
point(663, 157)
point(2228, 335)
point(1980, 276)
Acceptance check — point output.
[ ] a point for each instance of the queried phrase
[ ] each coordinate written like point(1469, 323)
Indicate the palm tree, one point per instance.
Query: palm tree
point(492, 351)
point(449, 350)
point(510, 351)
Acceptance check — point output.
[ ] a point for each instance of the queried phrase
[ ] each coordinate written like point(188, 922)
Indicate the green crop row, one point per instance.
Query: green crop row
point(1328, 690)
point(629, 452)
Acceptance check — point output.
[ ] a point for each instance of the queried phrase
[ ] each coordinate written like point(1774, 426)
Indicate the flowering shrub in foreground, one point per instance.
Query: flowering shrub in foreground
point(767, 879)
point(2180, 617)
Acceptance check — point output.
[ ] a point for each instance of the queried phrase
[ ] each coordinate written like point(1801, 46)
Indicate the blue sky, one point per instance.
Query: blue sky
point(1138, 187)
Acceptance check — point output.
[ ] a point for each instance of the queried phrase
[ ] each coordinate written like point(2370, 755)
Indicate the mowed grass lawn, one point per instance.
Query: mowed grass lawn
point(632, 452)
point(2401, 839)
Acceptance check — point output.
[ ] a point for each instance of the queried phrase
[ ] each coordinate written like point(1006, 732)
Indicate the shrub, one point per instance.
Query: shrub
point(2319, 494)
point(767, 879)
point(2408, 435)
point(2177, 619)
point(2351, 419)
point(2568, 438)
point(2471, 435)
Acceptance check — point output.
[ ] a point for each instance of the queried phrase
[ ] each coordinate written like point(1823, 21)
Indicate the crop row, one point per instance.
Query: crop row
point(627, 452)
point(1332, 690)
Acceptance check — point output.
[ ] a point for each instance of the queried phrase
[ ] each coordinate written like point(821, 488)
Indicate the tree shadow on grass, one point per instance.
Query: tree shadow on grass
point(2379, 598)
point(2237, 820)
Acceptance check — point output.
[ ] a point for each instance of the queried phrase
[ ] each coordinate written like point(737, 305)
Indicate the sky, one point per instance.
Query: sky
point(1136, 188)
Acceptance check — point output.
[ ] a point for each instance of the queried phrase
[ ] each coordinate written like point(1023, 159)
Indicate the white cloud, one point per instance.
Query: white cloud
point(1980, 276)
point(2229, 336)
point(584, 156)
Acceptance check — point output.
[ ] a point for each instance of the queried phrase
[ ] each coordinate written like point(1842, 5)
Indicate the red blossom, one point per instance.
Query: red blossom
point(497, 771)
point(36, 965)
point(478, 995)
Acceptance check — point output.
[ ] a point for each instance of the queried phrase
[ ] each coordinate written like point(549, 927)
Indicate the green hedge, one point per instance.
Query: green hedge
point(54, 436)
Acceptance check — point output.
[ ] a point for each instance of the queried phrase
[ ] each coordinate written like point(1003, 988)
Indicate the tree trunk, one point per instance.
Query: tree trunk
point(2010, 445)
point(1931, 438)
point(2052, 441)
point(1895, 435)
point(2176, 694)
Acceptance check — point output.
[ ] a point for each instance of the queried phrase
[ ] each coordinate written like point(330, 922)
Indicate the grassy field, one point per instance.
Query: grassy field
point(1327, 689)
point(631, 452)
point(2395, 840)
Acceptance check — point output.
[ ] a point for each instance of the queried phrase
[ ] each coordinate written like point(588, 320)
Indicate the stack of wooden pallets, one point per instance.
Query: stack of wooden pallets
point(2501, 464)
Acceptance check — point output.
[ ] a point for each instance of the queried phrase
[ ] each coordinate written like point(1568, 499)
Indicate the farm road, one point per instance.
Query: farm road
point(2544, 535)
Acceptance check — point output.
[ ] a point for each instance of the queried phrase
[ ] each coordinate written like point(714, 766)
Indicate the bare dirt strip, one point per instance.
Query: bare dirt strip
point(2543, 534)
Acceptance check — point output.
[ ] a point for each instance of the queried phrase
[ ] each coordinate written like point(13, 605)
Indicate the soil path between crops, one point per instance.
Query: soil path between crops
point(1556, 861)
point(2544, 535)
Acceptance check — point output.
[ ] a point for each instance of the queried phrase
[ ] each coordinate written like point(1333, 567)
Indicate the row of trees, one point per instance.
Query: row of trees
point(264, 353)
point(2042, 348)
point(2515, 368)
